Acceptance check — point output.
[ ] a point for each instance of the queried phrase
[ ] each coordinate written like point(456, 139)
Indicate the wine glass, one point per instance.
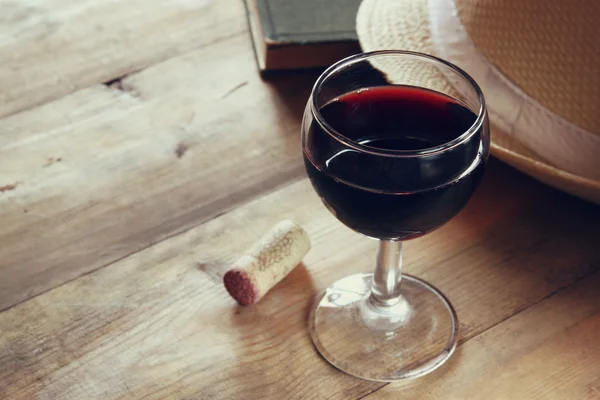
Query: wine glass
point(395, 143)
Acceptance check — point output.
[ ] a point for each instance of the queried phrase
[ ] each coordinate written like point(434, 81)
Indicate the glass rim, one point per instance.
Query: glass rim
point(338, 66)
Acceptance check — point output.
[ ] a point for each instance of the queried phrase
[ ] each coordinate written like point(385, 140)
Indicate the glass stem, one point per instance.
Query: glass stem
point(385, 290)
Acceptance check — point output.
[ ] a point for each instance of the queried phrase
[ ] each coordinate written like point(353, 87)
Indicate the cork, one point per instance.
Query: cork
point(267, 262)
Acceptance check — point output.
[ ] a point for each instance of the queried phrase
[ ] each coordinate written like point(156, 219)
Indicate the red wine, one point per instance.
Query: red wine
point(394, 197)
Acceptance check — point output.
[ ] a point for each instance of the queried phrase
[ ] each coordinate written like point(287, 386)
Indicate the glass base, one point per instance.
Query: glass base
point(401, 339)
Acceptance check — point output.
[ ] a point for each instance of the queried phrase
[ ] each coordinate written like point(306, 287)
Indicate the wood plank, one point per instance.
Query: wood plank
point(159, 324)
point(549, 351)
point(105, 172)
point(55, 47)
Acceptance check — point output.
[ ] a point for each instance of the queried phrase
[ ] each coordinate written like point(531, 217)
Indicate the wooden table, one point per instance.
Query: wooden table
point(140, 154)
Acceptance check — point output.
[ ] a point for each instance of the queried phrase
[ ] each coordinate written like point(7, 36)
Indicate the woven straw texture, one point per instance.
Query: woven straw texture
point(404, 25)
point(554, 57)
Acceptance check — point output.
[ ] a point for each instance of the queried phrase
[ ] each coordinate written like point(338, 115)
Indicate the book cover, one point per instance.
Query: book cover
point(290, 34)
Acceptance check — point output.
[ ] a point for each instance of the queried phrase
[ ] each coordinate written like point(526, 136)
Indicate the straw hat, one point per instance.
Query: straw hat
point(537, 62)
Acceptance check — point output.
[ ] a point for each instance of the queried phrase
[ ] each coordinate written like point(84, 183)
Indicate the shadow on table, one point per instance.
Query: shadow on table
point(294, 87)
point(291, 90)
point(534, 216)
point(273, 343)
point(529, 241)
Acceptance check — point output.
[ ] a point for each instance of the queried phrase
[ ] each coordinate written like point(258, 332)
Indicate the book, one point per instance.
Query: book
point(298, 34)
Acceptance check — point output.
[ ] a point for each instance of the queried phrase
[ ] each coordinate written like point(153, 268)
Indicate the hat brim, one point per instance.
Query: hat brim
point(404, 25)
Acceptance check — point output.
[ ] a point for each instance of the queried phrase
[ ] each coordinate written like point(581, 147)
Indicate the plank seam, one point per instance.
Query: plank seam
point(518, 311)
point(122, 75)
point(280, 186)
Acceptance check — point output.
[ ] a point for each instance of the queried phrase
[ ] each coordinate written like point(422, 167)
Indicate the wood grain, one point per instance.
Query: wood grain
point(549, 351)
point(159, 324)
point(141, 153)
point(107, 171)
point(55, 47)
